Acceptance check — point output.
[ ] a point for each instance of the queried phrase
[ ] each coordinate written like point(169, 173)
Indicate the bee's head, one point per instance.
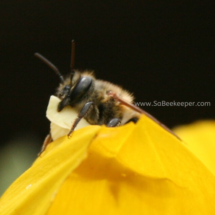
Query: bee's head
point(74, 89)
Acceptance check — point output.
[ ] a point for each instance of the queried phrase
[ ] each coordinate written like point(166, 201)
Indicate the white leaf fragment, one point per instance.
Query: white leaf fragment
point(61, 122)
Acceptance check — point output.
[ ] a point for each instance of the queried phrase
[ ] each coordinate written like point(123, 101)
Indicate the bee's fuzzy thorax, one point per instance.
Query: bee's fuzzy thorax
point(105, 107)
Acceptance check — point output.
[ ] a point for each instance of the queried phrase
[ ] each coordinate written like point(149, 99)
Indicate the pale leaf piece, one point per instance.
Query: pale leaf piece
point(61, 122)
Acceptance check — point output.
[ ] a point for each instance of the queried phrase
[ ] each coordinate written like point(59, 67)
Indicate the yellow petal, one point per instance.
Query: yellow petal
point(33, 192)
point(132, 169)
point(138, 169)
point(200, 139)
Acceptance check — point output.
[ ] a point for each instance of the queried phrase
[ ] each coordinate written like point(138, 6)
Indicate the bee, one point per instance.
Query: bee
point(99, 102)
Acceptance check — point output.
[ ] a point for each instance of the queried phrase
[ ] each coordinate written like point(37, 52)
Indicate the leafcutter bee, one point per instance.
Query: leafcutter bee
point(99, 102)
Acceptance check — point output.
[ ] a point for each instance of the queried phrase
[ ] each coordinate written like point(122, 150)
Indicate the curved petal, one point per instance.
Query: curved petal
point(131, 169)
point(33, 192)
point(200, 139)
point(137, 169)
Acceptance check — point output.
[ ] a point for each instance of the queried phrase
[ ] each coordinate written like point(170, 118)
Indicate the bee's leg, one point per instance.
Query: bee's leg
point(87, 107)
point(114, 122)
point(134, 120)
point(46, 142)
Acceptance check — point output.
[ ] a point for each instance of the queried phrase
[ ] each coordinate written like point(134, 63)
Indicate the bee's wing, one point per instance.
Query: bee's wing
point(139, 110)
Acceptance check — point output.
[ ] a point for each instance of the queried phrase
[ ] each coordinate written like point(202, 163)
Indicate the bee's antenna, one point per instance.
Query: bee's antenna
point(72, 55)
point(51, 65)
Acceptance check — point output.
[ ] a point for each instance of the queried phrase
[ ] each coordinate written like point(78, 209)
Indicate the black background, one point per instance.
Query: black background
point(159, 50)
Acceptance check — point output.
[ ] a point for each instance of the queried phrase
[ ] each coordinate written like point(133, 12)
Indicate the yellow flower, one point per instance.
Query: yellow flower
point(131, 169)
point(200, 138)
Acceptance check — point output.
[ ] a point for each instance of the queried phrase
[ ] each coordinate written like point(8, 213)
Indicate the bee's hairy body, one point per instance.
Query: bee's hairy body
point(104, 107)
point(99, 102)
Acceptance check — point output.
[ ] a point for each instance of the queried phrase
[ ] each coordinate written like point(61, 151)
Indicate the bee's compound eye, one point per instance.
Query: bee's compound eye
point(82, 86)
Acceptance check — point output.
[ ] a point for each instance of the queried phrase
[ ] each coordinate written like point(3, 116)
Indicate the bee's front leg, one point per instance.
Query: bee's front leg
point(86, 108)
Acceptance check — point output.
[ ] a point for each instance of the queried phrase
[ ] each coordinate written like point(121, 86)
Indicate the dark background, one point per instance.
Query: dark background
point(159, 50)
